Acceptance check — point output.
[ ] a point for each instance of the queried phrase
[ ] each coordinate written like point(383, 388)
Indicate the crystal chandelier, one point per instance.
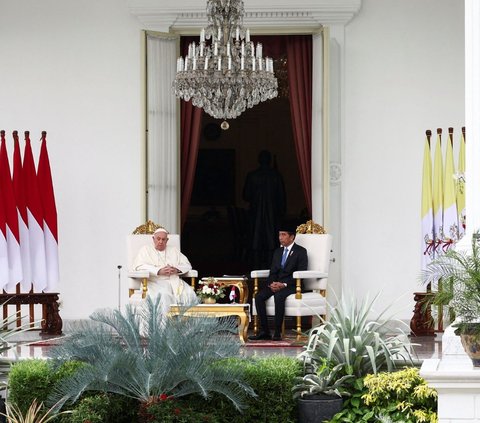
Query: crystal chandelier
point(229, 74)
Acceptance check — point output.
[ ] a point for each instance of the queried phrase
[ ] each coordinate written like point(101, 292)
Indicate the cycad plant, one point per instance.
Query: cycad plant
point(350, 338)
point(144, 355)
point(459, 273)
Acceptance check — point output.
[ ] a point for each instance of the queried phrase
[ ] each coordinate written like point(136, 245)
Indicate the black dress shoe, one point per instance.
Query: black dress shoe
point(277, 337)
point(261, 336)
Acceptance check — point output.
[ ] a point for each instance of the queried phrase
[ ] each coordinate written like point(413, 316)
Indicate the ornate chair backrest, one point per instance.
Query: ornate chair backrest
point(319, 248)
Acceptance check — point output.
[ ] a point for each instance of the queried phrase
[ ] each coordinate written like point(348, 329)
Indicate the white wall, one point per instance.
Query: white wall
point(72, 68)
point(404, 74)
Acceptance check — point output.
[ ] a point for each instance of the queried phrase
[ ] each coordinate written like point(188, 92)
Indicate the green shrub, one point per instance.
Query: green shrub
point(272, 379)
point(104, 408)
point(34, 379)
point(401, 396)
point(354, 409)
point(29, 380)
point(167, 409)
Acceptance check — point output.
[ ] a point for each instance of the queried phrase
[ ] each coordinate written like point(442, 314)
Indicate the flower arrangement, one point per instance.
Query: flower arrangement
point(209, 288)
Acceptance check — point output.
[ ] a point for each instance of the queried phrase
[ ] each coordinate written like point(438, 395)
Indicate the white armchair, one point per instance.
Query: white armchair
point(319, 247)
point(138, 283)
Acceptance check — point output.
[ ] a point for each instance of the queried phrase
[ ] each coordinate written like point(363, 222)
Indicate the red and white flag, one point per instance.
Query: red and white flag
point(35, 219)
point(45, 185)
point(3, 248)
point(19, 190)
point(15, 273)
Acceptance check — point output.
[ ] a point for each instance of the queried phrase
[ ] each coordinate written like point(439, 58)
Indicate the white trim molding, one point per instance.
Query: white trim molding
point(261, 17)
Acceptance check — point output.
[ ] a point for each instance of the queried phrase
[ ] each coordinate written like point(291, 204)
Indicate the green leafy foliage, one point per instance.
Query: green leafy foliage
point(272, 378)
point(170, 410)
point(401, 395)
point(104, 408)
point(34, 379)
point(459, 274)
point(354, 408)
point(350, 338)
point(8, 330)
point(141, 354)
point(323, 380)
point(30, 380)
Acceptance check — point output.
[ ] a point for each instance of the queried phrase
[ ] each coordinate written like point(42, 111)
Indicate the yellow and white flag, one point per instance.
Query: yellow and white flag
point(428, 240)
point(460, 179)
point(450, 214)
point(438, 196)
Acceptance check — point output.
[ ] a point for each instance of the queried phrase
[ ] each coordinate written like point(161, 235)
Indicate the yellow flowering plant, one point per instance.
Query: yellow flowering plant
point(401, 396)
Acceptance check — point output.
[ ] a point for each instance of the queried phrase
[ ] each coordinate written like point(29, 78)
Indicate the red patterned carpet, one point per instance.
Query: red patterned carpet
point(284, 343)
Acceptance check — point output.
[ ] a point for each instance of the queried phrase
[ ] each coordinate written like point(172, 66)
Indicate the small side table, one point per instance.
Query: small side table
point(242, 311)
point(239, 282)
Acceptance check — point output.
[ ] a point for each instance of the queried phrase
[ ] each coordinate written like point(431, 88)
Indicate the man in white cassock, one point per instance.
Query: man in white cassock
point(165, 265)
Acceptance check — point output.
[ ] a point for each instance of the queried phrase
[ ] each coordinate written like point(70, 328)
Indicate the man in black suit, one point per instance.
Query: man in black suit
point(287, 259)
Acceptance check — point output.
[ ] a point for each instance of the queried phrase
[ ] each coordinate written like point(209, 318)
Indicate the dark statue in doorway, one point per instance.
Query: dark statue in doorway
point(264, 190)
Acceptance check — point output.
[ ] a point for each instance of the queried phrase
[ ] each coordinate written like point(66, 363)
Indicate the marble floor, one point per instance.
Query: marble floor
point(423, 347)
point(32, 344)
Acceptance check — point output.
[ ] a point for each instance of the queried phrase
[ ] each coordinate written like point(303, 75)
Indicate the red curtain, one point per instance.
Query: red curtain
point(299, 68)
point(191, 120)
point(190, 130)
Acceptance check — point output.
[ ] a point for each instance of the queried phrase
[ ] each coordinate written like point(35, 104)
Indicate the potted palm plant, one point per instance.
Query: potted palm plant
point(320, 393)
point(459, 274)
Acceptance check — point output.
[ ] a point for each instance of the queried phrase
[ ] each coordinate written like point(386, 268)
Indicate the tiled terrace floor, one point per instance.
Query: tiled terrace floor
point(424, 348)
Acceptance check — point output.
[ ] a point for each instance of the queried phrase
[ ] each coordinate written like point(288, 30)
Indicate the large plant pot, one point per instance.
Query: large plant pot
point(209, 300)
point(471, 344)
point(317, 408)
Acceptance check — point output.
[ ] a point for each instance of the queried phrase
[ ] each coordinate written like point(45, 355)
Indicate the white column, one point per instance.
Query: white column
point(336, 119)
point(319, 114)
point(472, 115)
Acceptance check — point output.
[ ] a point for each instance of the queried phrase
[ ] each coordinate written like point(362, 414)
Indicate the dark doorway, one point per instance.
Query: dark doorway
point(215, 236)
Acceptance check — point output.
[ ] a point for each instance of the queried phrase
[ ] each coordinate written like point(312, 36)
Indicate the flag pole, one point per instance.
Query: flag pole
point(119, 267)
point(428, 133)
point(439, 287)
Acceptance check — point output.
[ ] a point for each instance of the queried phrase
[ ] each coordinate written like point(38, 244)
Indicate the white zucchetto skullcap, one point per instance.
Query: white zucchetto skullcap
point(160, 230)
